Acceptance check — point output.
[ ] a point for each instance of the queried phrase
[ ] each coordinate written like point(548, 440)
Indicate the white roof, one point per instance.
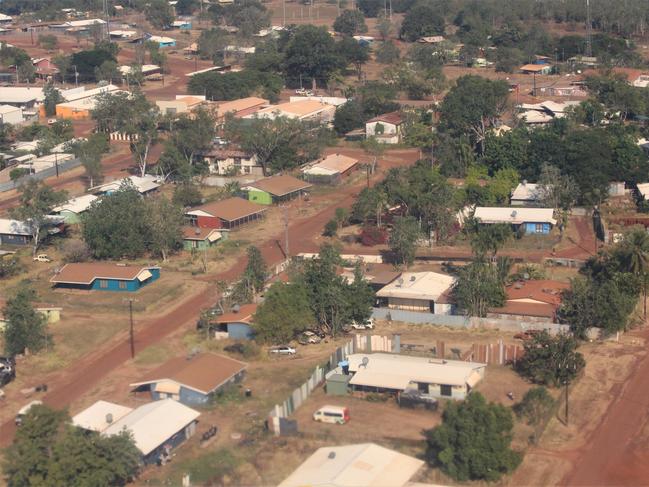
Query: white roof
point(514, 216)
point(154, 423)
point(161, 39)
point(146, 68)
point(82, 23)
point(142, 184)
point(14, 227)
point(5, 18)
point(23, 410)
point(26, 145)
point(15, 94)
point(643, 188)
point(417, 285)
point(362, 465)
point(77, 205)
point(201, 71)
point(95, 417)
point(397, 371)
point(330, 165)
point(558, 108)
point(534, 116)
point(8, 109)
point(123, 33)
point(527, 192)
point(82, 93)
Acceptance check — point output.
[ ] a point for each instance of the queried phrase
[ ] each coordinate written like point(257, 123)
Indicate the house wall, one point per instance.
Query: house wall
point(261, 197)
point(70, 217)
point(13, 117)
point(457, 392)
point(6, 239)
point(388, 128)
point(52, 315)
point(409, 304)
point(72, 113)
point(127, 286)
point(531, 228)
point(196, 244)
point(240, 331)
point(174, 442)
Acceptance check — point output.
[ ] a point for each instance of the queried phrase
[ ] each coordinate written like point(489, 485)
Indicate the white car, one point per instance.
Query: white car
point(42, 258)
point(283, 350)
point(366, 325)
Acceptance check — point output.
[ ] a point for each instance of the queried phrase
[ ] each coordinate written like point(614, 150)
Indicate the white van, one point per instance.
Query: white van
point(332, 414)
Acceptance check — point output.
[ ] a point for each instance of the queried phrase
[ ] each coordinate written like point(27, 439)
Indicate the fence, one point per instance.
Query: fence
point(360, 343)
point(47, 173)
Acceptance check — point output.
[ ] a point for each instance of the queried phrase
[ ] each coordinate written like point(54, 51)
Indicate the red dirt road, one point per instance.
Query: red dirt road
point(618, 452)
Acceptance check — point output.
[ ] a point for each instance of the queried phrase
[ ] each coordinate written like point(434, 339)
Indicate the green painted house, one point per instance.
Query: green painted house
point(72, 209)
point(200, 238)
point(276, 189)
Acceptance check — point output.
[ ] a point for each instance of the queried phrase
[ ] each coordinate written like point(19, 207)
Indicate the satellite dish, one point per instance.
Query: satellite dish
point(365, 361)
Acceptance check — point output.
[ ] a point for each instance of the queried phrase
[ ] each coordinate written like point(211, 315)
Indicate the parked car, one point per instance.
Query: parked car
point(527, 334)
point(332, 414)
point(308, 337)
point(7, 370)
point(42, 258)
point(365, 325)
point(283, 350)
point(24, 410)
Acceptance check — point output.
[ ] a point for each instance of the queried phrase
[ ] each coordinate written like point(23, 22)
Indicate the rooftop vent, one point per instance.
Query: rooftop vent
point(109, 418)
point(413, 278)
point(197, 231)
point(236, 308)
point(332, 455)
point(514, 213)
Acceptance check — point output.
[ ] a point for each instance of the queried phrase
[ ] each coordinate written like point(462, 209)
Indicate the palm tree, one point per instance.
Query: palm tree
point(636, 245)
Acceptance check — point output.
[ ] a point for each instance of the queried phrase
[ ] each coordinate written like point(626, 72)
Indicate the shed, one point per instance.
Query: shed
point(104, 277)
point(228, 213)
point(237, 324)
point(10, 114)
point(73, 208)
point(163, 41)
point(14, 232)
point(337, 384)
point(143, 184)
point(276, 189)
point(197, 238)
point(192, 380)
point(527, 194)
point(330, 169)
point(418, 291)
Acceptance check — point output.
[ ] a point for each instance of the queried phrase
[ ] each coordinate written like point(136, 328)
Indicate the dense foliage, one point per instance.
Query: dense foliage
point(26, 328)
point(550, 360)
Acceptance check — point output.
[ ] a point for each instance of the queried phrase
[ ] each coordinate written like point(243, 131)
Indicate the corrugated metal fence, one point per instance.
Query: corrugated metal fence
point(47, 173)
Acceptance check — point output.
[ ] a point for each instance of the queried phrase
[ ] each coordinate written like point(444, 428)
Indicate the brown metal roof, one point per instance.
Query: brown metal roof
point(244, 315)
point(542, 310)
point(86, 272)
point(393, 117)
point(231, 209)
point(545, 291)
point(197, 233)
point(204, 373)
point(281, 185)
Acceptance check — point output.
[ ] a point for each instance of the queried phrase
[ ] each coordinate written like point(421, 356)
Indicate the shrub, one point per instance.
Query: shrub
point(371, 236)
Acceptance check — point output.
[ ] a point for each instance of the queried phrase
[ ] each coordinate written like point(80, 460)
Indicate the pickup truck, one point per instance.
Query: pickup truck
point(42, 258)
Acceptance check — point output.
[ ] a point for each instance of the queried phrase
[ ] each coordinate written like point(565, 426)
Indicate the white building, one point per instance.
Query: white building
point(423, 376)
point(418, 291)
point(527, 194)
point(301, 110)
point(386, 128)
point(533, 220)
point(10, 114)
point(362, 465)
point(143, 185)
point(100, 416)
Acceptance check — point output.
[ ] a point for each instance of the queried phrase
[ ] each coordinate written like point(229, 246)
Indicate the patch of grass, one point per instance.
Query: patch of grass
point(153, 355)
point(206, 469)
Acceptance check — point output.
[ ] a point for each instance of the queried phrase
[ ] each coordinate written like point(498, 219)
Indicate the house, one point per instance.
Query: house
point(38, 164)
point(362, 465)
point(532, 300)
point(104, 277)
point(181, 24)
point(386, 128)
point(10, 114)
point(302, 110)
point(25, 98)
point(588, 61)
point(143, 184)
point(45, 68)
point(330, 169)
point(192, 381)
point(72, 209)
point(542, 69)
point(423, 376)
point(527, 194)
point(276, 189)
point(80, 102)
point(157, 428)
point(236, 324)
point(14, 232)
point(5, 19)
point(544, 112)
point(228, 213)
point(231, 161)
point(418, 291)
point(119, 34)
point(100, 416)
point(163, 41)
point(431, 40)
point(51, 313)
point(532, 221)
point(241, 107)
point(146, 70)
point(211, 69)
point(196, 238)
point(182, 104)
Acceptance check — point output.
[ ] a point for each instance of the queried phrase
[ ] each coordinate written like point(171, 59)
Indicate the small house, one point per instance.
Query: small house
point(542, 69)
point(532, 300)
point(14, 232)
point(228, 213)
point(163, 41)
point(301, 110)
point(192, 380)
point(237, 324)
point(181, 104)
point(418, 291)
point(431, 39)
point(331, 169)
point(197, 238)
point(225, 162)
point(157, 428)
point(362, 465)
point(531, 221)
point(241, 107)
point(72, 209)
point(104, 277)
point(11, 115)
point(527, 194)
point(276, 189)
point(143, 184)
point(386, 128)
point(423, 376)
point(181, 24)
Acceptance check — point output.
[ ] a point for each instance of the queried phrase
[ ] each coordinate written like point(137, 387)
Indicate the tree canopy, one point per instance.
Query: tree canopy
point(25, 327)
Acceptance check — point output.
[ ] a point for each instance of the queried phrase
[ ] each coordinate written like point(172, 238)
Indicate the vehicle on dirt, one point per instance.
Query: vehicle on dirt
point(283, 350)
point(7, 370)
point(332, 414)
point(308, 337)
point(365, 325)
point(42, 258)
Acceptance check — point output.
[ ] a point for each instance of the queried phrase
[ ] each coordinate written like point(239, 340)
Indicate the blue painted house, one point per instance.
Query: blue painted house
point(237, 324)
point(105, 277)
point(532, 221)
point(191, 381)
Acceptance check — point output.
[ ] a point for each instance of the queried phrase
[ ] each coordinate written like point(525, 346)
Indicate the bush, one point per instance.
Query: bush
point(371, 236)
point(187, 195)
point(331, 228)
point(75, 251)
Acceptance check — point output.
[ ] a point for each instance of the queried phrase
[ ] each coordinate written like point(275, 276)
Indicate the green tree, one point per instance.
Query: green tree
point(36, 202)
point(349, 116)
point(420, 21)
point(187, 195)
point(86, 62)
point(193, 134)
point(369, 206)
point(48, 42)
point(535, 408)
point(350, 22)
point(116, 225)
point(26, 328)
point(256, 270)
point(370, 8)
point(360, 297)
point(311, 55)
point(636, 259)
point(51, 97)
point(159, 13)
point(284, 313)
point(26, 72)
point(479, 287)
point(354, 53)
point(550, 360)
point(474, 440)
point(488, 238)
point(186, 7)
point(107, 71)
point(330, 228)
point(164, 221)
point(385, 27)
point(89, 153)
point(387, 53)
point(403, 240)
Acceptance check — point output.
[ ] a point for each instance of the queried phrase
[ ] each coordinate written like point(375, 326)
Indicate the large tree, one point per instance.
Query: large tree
point(159, 13)
point(164, 221)
point(350, 22)
point(51, 97)
point(26, 328)
point(89, 153)
point(474, 440)
point(284, 313)
point(550, 360)
point(403, 240)
point(479, 287)
point(422, 20)
point(310, 55)
point(36, 202)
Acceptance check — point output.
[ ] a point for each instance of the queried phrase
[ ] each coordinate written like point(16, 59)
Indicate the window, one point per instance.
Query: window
point(237, 161)
point(122, 284)
point(422, 387)
point(103, 284)
point(445, 390)
point(539, 228)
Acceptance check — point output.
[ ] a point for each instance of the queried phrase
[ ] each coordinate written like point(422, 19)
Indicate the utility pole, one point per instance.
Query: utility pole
point(566, 382)
point(285, 219)
point(56, 163)
point(131, 333)
point(589, 31)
